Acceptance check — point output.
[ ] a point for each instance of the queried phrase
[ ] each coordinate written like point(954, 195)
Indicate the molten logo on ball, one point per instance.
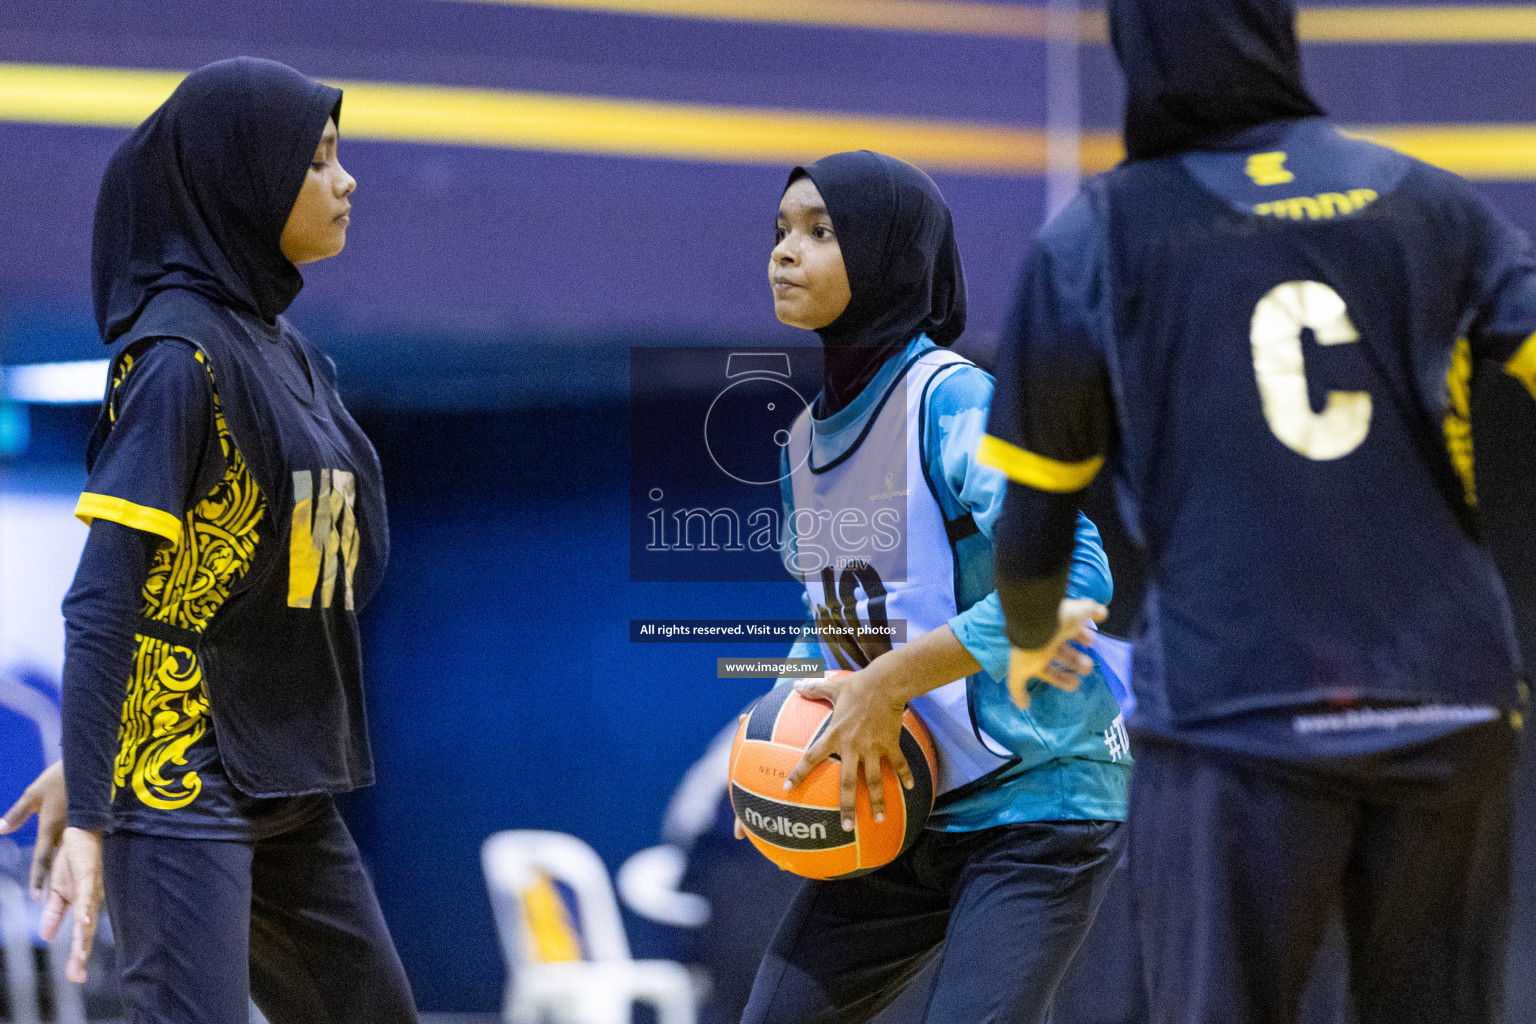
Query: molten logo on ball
point(801, 829)
point(783, 826)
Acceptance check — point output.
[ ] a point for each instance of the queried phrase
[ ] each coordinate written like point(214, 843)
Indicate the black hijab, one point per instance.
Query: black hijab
point(197, 196)
point(1199, 70)
point(898, 244)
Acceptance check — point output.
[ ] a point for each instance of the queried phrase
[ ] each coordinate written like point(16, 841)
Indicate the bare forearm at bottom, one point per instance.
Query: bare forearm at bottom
point(924, 663)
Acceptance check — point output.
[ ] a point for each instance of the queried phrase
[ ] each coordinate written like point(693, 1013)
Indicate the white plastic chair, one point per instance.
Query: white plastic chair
point(565, 967)
point(648, 882)
point(30, 699)
point(16, 937)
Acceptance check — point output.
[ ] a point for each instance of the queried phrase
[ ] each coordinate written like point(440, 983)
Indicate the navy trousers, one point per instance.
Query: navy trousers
point(291, 922)
point(963, 928)
point(1237, 864)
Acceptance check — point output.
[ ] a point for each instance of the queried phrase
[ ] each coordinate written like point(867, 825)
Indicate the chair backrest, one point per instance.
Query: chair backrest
point(30, 726)
point(552, 899)
point(695, 802)
point(648, 881)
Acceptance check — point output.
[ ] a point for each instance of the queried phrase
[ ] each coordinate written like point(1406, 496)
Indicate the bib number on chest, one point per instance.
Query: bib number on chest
point(853, 641)
point(323, 537)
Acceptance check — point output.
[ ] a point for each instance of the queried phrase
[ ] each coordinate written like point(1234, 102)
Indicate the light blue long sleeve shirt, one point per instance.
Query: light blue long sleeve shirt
point(1073, 762)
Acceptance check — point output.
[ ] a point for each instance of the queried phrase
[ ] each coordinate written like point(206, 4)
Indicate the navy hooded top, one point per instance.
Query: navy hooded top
point(1196, 71)
point(222, 438)
point(1265, 331)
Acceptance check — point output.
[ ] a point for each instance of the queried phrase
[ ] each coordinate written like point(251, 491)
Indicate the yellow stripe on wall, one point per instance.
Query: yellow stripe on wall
point(1483, 152)
point(949, 17)
point(502, 119)
point(97, 97)
point(1471, 24)
point(680, 131)
point(1503, 23)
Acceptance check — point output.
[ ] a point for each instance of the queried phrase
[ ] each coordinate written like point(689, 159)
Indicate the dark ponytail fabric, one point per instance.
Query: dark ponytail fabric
point(1199, 70)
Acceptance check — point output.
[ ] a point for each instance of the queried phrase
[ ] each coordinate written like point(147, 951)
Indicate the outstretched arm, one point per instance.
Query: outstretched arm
point(957, 417)
point(1049, 431)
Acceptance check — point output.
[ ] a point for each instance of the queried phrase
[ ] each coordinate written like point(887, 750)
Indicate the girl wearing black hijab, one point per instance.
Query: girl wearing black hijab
point(212, 687)
point(889, 517)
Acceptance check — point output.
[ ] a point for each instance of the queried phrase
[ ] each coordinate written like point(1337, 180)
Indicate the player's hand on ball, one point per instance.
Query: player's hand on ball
point(865, 728)
point(1059, 662)
point(75, 885)
point(47, 798)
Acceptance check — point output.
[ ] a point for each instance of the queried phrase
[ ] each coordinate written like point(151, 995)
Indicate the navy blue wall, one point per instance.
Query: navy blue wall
point(503, 689)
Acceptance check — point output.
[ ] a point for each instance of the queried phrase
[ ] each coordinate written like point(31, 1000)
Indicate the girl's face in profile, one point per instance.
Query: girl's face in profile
point(806, 271)
point(317, 225)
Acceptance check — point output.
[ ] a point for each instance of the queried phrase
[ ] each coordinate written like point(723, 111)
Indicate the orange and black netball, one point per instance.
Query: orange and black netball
point(801, 829)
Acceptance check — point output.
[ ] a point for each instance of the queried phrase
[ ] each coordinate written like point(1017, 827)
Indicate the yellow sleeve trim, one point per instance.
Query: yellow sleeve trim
point(1522, 365)
point(1037, 471)
point(138, 517)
